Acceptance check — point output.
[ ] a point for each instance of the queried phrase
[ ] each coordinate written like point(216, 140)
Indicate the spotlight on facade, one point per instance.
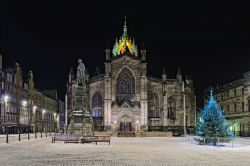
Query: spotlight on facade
point(24, 103)
point(6, 98)
point(54, 114)
point(137, 121)
point(44, 111)
point(115, 121)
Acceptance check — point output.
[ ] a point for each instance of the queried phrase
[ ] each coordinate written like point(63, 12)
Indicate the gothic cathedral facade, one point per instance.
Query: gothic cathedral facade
point(126, 98)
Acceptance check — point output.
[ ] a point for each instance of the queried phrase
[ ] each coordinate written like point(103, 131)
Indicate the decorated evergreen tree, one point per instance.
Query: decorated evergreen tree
point(212, 123)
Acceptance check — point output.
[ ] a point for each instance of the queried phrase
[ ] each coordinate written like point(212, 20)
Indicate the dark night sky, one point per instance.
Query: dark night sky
point(208, 41)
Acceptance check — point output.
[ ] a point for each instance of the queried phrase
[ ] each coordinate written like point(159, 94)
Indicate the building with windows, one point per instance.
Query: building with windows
point(126, 98)
point(24, 108)
point(234, 99)
point(61, 107)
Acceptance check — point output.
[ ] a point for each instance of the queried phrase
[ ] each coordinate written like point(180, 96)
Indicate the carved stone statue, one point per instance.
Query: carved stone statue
point(80, 73)
point(81, 122)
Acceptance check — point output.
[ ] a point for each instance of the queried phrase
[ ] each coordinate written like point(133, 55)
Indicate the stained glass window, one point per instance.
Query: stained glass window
point(97, 105)
point(154, 106)
point(125, 86)
point(171, 108)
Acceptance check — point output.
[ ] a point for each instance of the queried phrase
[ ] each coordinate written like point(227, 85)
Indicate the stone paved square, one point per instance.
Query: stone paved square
point(122, 151)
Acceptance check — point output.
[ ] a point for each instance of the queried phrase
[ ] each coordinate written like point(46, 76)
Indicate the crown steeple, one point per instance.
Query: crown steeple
point(125, 43)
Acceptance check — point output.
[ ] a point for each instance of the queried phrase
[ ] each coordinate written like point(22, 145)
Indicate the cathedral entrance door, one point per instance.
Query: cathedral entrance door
point(125, 124)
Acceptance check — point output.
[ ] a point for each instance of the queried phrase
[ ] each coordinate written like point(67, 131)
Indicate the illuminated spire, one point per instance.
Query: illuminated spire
point(125, 30)
point(125, 43)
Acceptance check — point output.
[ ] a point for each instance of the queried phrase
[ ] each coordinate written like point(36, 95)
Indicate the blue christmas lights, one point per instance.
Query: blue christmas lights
point(212, 122)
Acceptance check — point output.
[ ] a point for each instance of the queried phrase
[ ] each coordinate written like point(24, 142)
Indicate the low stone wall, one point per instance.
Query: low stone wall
point(137, 134)
point(154, 134)
point(105, 133)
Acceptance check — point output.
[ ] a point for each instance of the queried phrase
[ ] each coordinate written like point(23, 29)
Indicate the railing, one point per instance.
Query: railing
point(234, 143)
point(11, 138)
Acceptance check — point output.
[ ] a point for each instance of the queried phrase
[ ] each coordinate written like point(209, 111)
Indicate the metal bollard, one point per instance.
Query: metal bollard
point(7, 137)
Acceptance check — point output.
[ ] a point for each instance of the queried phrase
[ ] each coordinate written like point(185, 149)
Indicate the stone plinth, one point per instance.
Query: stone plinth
point(81, 122)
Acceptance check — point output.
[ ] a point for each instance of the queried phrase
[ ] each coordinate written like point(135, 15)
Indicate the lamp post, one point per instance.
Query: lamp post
point(114, 124)
point(43, 114)
point(6, 98)
point(137, 122)
point(55, 121)
point(25, 105)
point(34, 114)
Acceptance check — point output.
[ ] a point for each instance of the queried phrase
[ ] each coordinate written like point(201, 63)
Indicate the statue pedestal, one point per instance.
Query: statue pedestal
point(87, 126)
point(81, 122)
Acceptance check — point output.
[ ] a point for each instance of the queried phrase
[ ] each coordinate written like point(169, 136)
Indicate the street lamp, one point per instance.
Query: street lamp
point(24, 103)
point(6, 98)
point(34, 114)
point(114, 124)
point(137, 122)
point(43, 128)
point(55, 122)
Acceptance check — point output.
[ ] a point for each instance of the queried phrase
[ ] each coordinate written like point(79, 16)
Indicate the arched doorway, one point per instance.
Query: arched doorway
point(125, 123)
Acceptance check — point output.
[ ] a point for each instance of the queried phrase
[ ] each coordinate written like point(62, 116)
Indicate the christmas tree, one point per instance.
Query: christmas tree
point(212, 123)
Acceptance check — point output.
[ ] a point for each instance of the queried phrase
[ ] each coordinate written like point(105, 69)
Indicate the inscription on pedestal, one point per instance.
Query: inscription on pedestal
point(78, 119)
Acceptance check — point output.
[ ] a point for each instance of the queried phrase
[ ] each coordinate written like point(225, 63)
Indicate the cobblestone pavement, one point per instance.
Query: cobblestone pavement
point(122, 151)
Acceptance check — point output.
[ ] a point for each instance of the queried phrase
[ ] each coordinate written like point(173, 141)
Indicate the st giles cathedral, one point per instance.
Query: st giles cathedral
point(126, 98)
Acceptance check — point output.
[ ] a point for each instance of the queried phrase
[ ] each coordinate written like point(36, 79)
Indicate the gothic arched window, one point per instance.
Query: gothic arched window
point(125, 86)
point(154, 106)
point(171, 108)
point(97, 105)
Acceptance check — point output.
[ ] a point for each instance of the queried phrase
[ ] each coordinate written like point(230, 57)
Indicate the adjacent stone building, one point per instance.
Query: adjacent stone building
point(23, 107)
point(126, 98)
point(234, 98)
